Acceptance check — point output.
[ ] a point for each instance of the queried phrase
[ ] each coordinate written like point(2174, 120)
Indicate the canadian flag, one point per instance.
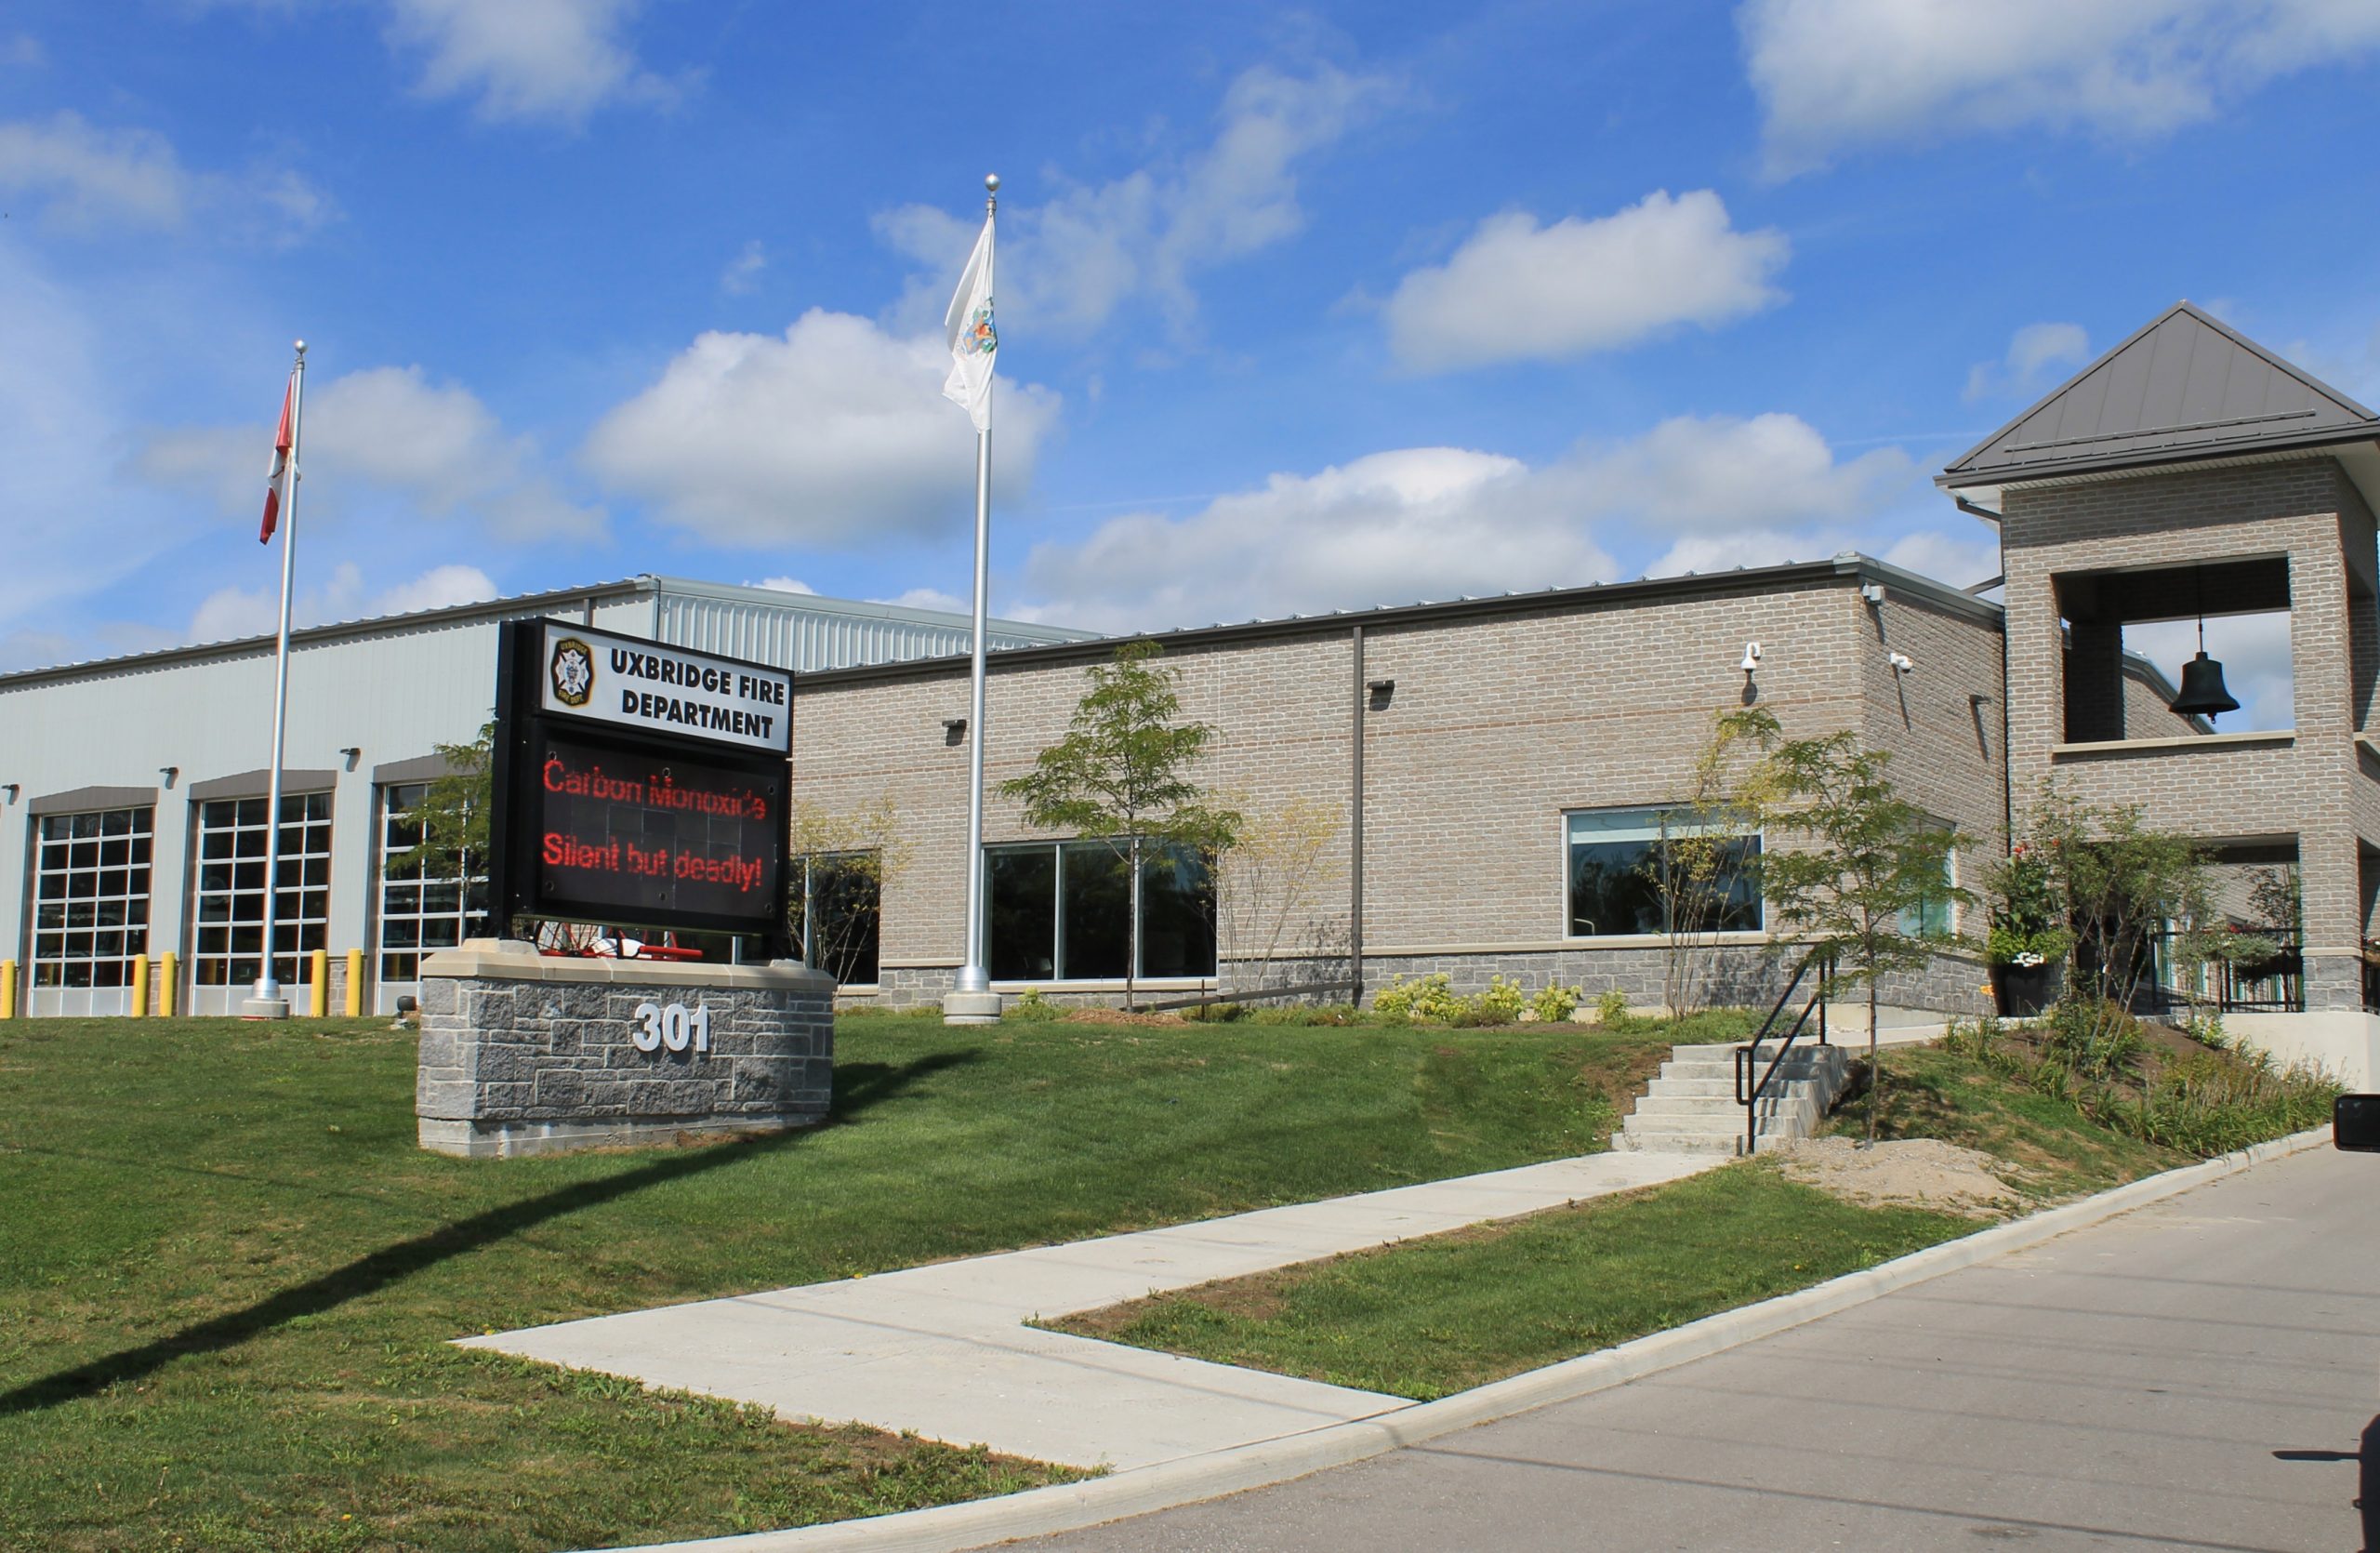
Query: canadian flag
point(280, 442)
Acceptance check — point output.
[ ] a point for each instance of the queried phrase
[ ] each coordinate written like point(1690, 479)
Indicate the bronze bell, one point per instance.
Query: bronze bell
point(2203, 693)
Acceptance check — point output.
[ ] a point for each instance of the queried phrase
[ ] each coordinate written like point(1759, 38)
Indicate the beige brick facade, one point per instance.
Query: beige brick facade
point(2316, 787)
point(1505, 715)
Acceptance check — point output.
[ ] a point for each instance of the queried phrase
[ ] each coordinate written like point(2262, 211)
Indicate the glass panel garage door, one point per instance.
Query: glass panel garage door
point(420, 913)
point(227, 905)
point(90, 911)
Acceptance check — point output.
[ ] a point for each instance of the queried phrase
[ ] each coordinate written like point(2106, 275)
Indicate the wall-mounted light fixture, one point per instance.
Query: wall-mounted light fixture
point(953, 730)
point(354, 753)
point(1381, 690)
point(1900, 662)
point(11, 789)
point(169, 773)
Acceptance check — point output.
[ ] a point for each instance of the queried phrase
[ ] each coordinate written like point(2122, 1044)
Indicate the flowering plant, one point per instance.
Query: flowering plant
point(2026, 929)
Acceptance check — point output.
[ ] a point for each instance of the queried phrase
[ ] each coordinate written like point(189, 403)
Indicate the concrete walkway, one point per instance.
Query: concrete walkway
point(943, 1350)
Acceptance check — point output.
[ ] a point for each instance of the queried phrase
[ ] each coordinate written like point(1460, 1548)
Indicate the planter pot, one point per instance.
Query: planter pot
point(2022, 992)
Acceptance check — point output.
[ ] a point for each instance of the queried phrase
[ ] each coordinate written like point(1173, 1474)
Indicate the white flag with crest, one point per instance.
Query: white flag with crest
point(973, 341)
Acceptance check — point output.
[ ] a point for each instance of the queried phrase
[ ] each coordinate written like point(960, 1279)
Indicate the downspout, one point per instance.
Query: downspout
point(1355, 823)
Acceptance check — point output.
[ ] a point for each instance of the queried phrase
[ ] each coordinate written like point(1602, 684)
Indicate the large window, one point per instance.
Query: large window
point(1619, 859)
point(1061, 911)
point(228, 896)
point(90, 911)
point(838, 913)
point(420, 912)
point(1936, 916)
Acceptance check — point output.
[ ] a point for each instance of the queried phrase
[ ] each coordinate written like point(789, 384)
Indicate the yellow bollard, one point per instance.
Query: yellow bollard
point(141, 988)
point(8, 989)
point(355, 984)
point(318, 994)
point(168, 984)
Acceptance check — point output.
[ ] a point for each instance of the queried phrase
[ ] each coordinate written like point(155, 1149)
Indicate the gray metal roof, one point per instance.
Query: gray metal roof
point(2183, 387)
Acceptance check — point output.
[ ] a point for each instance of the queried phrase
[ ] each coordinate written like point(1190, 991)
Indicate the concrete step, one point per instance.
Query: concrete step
point(1771, 1103)
point(1723, 1086)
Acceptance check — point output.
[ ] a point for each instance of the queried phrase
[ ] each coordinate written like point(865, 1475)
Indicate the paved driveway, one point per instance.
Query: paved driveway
point(2200, 1374)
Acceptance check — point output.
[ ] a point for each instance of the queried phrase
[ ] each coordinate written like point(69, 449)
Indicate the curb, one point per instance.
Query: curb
point(1072, 1507)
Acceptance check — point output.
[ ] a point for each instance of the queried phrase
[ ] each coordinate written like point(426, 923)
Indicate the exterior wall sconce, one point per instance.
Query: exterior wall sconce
point(1381, 690)
point(11, 789)
point(1901, 665)
point(953, 730)
point(354, 753)
point(168, 773)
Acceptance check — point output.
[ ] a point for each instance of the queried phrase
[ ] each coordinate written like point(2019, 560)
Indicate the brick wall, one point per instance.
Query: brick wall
point(1498, 724)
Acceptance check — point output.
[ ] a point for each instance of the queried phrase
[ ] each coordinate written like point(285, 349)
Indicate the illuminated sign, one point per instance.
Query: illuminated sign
point(611, 807)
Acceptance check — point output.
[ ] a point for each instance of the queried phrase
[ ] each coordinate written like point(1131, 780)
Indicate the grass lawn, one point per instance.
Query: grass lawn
point(227, 1276)
point(1432, 1316)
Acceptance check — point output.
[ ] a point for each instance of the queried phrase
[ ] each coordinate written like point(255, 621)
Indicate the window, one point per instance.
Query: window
point(90, 901)
point(838, 913)
point(1616, 862)
point(1061, 911)
point(1935, 916)
point(229, 884)
point(421, 913)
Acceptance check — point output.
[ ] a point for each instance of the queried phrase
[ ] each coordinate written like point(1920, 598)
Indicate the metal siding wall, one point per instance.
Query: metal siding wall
point(805, 638)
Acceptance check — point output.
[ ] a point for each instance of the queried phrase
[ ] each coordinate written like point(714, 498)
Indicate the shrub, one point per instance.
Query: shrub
point(1030, 1007)
point(1556, 1002)
point(1501, 1004)
point(1611, 1009)
point(1216, 1013)
point(1432, 998)
point(2094, 1037)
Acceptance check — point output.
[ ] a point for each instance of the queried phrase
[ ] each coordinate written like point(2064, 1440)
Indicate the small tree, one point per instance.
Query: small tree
point(2119, 885)
point(1857, 892)
point(1700, 854)
point(1121, 774)
point(866, 850)
point(1267, 881)
point(454, 813)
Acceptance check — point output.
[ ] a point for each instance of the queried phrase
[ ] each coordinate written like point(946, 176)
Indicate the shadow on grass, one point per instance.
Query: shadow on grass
point(858, 1088)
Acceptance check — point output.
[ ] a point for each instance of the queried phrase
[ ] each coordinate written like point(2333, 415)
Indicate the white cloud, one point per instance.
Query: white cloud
point(931, 598)
point(2254, 650)
point(435, 445)
point(1518, 291)
point(2024, 372)
point(90, 180)
point(230, 613)
point(1832, 74)
point(1437, 522)
point(23, 51)
point(1949, 558)
point(1069, 264)
point(539, 60)
point(835, 434)
point(783, 585)
point(742, 276)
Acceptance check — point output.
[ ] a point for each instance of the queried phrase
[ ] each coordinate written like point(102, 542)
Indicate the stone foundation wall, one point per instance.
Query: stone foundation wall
point(524, 1053)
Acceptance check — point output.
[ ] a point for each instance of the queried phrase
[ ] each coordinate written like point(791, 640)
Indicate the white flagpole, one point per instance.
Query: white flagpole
point(268, 1002)
point(972, 1001)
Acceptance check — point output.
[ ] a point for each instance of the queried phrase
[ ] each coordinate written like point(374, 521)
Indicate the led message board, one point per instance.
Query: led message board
point(612, 807)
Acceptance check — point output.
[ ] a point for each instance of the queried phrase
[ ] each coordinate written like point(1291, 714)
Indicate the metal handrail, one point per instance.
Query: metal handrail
point(1749, 1095)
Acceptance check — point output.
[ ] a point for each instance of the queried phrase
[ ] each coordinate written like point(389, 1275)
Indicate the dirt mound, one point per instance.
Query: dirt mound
point(1920, 1173)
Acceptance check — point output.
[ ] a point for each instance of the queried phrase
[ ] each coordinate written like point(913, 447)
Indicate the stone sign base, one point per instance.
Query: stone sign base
point(527, 1053)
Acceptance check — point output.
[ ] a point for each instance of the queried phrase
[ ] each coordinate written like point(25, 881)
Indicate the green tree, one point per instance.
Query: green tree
point(1703, 856)
point(454, 813)
point(1120, 774)
point(1856, 890)
point(2117, 885)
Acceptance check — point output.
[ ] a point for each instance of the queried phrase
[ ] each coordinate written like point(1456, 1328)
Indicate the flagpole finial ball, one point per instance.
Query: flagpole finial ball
point(991, 183)
point(301, 347)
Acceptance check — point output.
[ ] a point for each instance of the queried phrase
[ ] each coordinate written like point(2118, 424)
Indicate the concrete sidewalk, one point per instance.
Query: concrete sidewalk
point(943, 1350)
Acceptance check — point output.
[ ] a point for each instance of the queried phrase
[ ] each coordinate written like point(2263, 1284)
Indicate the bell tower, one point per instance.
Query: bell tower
point(2188, 475)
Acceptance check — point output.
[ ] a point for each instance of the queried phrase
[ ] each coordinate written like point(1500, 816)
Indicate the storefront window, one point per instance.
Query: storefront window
point(1061, 911)
point(1620, 858)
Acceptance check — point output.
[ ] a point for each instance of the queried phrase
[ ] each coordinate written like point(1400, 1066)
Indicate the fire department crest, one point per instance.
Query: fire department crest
point(980, 337)
point(573, 671)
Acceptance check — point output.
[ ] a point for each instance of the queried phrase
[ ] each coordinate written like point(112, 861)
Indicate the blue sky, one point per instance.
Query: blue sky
point(1298, 310)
